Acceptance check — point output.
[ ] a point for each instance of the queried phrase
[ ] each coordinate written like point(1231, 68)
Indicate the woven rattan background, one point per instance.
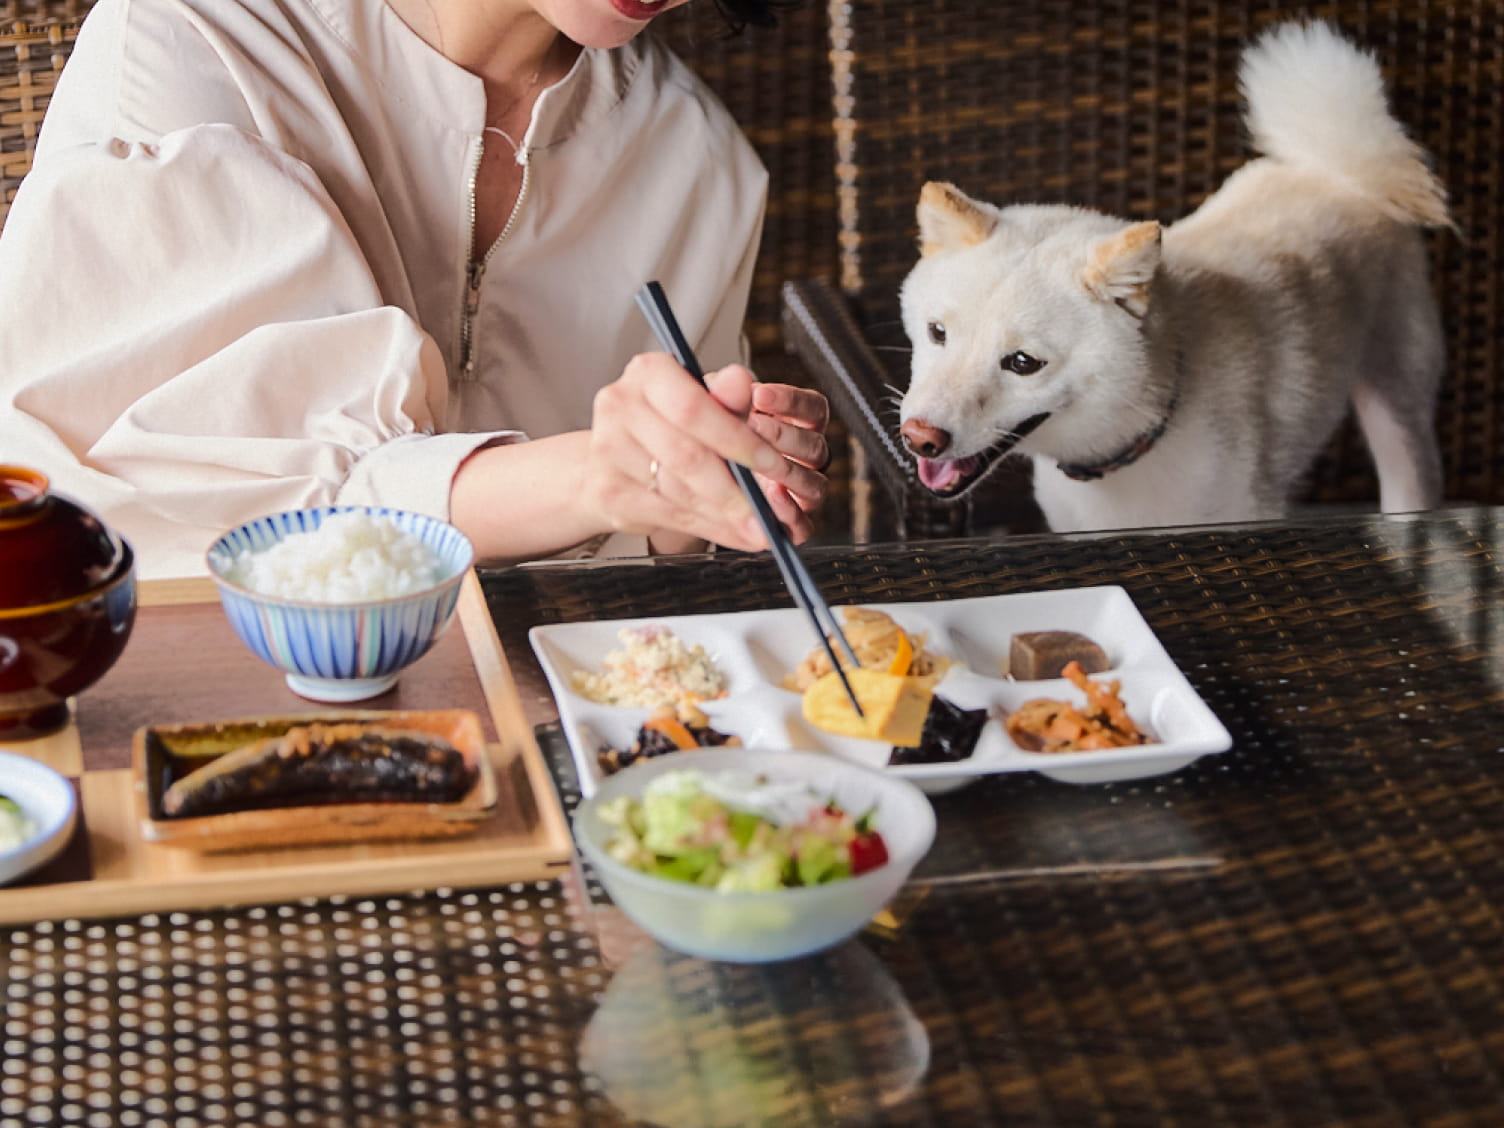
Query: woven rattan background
point(35, 39)
point(1131, 107)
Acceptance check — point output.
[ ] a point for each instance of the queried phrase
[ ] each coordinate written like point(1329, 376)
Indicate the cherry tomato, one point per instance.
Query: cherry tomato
point(868, 851)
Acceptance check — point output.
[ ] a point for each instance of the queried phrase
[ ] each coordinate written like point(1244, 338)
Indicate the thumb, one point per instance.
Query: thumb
point(732, 387)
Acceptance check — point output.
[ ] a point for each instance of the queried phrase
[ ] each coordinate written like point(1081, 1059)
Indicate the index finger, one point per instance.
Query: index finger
point(804, 407)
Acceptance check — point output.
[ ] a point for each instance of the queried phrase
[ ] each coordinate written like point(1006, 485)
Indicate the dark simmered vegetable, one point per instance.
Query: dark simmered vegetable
point(665, 731)
point(950, 734)
point(317, 763)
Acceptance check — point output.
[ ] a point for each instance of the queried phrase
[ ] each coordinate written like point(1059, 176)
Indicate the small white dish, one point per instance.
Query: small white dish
point(48, 801)
point(755, 650)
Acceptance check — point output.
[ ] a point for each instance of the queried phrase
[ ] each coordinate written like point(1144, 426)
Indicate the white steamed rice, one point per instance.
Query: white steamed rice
point(350, 558)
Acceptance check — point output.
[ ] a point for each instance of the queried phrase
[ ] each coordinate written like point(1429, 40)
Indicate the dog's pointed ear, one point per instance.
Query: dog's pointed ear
point(950, 220)
point(1122, 267)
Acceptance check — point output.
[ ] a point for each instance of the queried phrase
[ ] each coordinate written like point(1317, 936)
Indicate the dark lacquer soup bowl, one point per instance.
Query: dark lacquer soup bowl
point(67, 602)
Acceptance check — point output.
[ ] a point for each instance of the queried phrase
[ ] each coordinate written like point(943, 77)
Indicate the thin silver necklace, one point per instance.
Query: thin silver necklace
point(527, 91)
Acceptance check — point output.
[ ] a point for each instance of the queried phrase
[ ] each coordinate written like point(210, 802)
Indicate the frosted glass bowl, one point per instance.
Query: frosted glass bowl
point(778, 925)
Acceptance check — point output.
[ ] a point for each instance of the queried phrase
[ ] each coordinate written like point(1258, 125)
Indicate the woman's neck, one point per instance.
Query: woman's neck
point(505, 42)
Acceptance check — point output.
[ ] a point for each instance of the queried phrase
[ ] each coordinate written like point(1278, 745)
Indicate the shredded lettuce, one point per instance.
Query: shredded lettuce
point(731, 831)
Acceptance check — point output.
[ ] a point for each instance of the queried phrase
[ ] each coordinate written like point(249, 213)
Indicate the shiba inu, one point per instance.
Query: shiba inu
point(1193, 373)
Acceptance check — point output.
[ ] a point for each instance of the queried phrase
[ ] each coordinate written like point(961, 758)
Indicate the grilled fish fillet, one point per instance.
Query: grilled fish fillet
point(342, 763)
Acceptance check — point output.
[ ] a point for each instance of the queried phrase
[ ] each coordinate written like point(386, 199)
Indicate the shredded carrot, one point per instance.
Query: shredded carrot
point(671, 727)
point(904, 658)
point(1047, 725)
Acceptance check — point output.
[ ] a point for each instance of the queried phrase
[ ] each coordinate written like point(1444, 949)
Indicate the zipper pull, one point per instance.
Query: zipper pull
point(473, 274)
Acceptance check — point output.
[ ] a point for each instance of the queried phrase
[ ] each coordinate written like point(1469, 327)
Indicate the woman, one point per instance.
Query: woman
point(276, 253)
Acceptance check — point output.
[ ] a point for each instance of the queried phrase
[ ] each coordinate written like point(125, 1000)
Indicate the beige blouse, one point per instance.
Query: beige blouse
point(236, 279)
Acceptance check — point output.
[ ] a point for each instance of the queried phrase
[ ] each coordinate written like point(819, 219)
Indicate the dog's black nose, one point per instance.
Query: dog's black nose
point(924, 439)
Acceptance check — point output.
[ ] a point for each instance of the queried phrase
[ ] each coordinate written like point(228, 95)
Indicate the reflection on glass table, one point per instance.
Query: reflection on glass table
point(685, 1043)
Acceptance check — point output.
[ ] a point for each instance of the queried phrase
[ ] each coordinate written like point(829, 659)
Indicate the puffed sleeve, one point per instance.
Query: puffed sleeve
point(191, 337)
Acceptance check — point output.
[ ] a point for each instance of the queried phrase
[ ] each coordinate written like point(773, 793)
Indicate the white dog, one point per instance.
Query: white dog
point(1193, 373)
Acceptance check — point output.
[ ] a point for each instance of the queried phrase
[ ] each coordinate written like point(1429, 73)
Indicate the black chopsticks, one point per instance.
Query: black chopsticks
point(654, 305)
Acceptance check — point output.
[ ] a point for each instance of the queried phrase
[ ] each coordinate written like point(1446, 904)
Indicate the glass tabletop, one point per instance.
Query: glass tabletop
point(1299, 931)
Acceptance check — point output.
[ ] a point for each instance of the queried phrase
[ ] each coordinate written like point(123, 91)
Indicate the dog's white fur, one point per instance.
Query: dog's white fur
point(1300, 286)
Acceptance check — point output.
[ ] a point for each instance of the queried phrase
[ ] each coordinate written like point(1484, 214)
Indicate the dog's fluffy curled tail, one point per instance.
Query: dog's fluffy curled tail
point(1315, 100)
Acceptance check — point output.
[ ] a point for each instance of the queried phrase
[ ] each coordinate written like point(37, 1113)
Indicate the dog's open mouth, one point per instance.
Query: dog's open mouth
point(952, 477)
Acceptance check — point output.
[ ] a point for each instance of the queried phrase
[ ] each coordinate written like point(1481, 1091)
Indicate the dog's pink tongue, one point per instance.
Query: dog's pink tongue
point(944, 474)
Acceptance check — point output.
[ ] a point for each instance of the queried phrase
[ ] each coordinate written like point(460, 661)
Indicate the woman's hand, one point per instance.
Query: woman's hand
point(658, 445)
point(654, 463)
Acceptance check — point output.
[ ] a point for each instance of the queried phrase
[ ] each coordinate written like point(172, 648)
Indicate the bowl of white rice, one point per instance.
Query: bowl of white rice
point(340, 598)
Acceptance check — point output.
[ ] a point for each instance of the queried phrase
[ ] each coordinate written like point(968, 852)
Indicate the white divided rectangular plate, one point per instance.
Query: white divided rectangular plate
point(756, 650)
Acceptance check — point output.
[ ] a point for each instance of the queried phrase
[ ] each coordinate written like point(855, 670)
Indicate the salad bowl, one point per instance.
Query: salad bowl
point(756, 926)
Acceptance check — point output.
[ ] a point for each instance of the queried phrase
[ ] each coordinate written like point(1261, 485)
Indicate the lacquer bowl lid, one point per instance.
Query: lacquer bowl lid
point(53, 549)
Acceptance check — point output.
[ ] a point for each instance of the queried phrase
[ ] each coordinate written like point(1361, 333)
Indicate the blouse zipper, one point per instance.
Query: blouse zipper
point(475, 269)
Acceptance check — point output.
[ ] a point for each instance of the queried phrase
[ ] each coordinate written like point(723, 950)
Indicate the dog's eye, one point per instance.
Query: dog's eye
point(1022, 363)
point(937, 332)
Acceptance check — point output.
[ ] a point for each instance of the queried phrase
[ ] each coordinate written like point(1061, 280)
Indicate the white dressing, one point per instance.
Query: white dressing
point(783, 802)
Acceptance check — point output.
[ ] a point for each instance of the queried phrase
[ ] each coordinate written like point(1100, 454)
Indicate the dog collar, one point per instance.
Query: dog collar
point(1091, 471)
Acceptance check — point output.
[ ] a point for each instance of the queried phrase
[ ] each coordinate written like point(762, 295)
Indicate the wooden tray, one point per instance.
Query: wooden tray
point(184, 665)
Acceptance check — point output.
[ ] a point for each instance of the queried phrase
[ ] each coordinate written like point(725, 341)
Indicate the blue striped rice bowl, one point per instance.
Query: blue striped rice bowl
point(339, 651)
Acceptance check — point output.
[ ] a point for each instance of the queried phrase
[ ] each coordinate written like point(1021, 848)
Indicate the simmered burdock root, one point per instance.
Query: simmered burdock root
point(1048, 725)
point(1040, 655)
point(666, 730)
point(341, 763)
